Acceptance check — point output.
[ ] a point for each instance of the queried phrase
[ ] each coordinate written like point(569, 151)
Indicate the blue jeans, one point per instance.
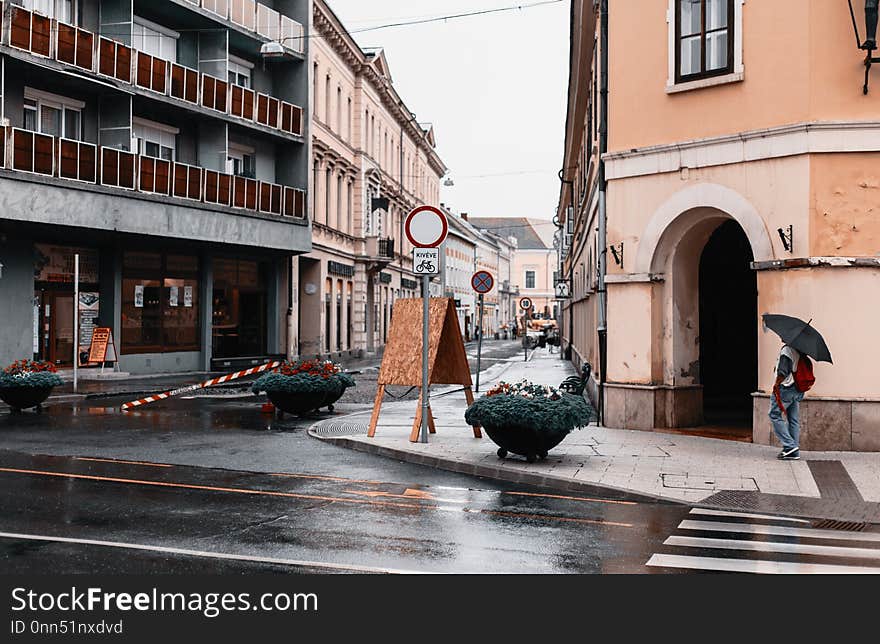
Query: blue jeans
point(787, 428)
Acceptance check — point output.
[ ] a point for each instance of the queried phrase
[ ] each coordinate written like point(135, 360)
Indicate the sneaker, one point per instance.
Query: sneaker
point(789, 455)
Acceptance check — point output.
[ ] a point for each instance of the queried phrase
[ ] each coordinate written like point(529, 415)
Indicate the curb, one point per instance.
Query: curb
point(496, 473)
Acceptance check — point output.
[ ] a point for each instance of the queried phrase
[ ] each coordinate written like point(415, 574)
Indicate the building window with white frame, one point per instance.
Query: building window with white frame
point(153, 39)
point(62, 10)
point(705, 43)
point(240, 71)
point(52, 114)
point(530, 279)
point(154, 139)
point(242, 161)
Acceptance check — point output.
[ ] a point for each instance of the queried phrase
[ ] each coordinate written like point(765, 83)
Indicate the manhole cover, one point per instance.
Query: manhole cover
point(333, 428)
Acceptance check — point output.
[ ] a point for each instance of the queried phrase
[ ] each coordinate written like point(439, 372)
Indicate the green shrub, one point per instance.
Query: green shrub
point(302, 383)
point(33, 379)
point(526, 405)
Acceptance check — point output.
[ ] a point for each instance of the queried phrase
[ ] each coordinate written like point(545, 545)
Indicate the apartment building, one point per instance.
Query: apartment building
point(373, 162)
point(710, 178)
point(164, 142)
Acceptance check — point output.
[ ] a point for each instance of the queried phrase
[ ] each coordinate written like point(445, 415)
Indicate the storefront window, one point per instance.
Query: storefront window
point(240, 301)
point(160, 303)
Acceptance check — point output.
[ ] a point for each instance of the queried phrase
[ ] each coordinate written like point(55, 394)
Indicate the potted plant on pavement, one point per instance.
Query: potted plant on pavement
point(27, 383)
point(526, 418)
point(304, 386)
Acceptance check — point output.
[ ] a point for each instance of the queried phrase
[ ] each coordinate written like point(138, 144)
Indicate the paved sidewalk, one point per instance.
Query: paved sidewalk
point(672, 467)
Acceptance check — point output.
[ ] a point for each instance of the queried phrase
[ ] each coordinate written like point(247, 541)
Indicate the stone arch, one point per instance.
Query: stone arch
point(688, 207)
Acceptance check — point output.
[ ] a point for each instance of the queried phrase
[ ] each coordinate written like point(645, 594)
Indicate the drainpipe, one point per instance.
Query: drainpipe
point(603, 147)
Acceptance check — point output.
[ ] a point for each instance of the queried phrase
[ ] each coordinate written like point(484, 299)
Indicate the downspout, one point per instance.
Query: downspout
point(603, 224)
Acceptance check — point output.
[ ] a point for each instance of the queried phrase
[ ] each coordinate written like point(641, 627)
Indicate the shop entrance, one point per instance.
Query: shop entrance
point(54, 309)
point(728, 296)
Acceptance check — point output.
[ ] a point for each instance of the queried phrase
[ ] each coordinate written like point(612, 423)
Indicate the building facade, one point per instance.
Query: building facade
point(158, 142)
point(707, 182)
point(534, 261)
point(372, 164)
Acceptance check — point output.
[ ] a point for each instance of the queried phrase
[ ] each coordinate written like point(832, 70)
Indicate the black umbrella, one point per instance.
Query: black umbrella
point(799, 334)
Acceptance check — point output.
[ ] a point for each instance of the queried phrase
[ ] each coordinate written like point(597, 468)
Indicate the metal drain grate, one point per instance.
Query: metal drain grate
point(332, 428)
point(834, 524)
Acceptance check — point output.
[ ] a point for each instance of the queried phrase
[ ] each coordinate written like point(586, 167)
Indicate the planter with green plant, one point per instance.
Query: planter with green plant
point(304, 386)
point(528, 419)
point(28, 383)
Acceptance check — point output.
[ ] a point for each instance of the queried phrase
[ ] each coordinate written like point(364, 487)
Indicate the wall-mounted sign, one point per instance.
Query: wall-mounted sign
point(172, 296)
point(188, 296)
point(139, 296)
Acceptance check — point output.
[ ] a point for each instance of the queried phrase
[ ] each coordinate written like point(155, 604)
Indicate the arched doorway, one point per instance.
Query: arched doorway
point(728, 329)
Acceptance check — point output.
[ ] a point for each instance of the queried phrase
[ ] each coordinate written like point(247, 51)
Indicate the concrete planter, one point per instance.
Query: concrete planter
point(19, 398)
point(525, 440)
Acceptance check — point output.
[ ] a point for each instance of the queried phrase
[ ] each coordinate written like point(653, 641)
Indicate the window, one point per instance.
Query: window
point(704, 38)
point(530, 279)
point(52, 114)
point(154, 39)
point(155, 140)
point(239, 72)
point(240, 303)
point(63, 10)
point(242, 161)
point(160, 303)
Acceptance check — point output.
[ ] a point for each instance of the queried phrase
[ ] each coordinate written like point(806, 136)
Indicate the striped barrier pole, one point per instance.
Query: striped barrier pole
point(208, 383)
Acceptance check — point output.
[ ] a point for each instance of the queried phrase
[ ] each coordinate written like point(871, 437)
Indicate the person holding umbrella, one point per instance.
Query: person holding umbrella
point(794, 377)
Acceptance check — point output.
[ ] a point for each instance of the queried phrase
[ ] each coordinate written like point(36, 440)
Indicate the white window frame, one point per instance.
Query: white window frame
point(243, 67)
point(735, 76)
point(238, 151)
point(164, 31)
point(29, 5)
point(57, 102)
point(148, 134)
point(526, 272)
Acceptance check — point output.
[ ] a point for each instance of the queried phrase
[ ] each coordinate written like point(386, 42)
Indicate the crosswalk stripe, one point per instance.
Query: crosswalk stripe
point(772, 546)
point(755, 566)
point(744, 515)
point(779, 531)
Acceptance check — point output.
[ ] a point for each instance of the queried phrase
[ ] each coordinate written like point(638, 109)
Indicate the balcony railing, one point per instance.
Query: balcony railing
point(380, 247)
point(32, 32)
point(32, 152)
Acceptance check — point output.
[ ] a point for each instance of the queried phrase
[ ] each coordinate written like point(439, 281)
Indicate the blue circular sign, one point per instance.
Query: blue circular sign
point(482, 282)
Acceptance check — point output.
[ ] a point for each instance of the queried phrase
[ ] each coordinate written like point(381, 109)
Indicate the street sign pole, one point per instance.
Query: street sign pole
point(426, 307)
point(75, 322)
point(479, 344)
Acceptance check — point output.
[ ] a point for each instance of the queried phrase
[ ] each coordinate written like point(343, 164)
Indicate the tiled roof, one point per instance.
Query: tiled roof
point(529, 233)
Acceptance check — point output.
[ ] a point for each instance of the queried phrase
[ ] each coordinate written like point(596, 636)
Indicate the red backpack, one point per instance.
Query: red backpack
point(803, 375)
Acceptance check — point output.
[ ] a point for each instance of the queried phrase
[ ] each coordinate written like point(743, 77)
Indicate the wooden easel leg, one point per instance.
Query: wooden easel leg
point(377, 405)
point(431, 428)
point(417, 423)
point(469, 396)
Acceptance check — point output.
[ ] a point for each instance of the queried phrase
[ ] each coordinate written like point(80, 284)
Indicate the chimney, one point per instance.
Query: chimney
point(464, 216)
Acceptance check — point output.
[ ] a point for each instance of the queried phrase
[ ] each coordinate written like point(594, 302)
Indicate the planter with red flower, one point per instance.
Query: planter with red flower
point(528, 419)
point(27, 383)
point(304, 386)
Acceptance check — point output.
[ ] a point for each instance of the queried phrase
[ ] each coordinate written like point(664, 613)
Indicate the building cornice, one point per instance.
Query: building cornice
point(755, 145)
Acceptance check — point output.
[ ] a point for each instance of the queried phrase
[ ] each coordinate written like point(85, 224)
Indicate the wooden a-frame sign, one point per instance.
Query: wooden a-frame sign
point(402, 361)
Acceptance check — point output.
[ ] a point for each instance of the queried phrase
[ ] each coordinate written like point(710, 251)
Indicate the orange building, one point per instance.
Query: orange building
point(721, 162)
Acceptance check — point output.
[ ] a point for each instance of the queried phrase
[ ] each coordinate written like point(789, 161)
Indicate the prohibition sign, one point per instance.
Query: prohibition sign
point(482, 282)
point(426, 227)
point(525, 303)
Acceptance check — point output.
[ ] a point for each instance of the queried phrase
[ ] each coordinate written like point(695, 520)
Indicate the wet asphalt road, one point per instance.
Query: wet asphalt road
point(215, 485)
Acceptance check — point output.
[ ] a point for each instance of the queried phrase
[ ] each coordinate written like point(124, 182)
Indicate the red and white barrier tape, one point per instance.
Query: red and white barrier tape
point(201, 385)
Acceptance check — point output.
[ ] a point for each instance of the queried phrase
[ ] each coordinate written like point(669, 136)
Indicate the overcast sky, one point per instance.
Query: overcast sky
point(494, 87)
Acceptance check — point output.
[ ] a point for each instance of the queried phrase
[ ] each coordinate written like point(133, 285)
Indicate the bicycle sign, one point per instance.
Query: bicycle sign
point(426, 261)
point(482, 282)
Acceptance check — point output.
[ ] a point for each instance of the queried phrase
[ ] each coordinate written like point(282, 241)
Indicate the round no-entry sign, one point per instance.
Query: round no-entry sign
point(426, 227)
point(482, 282)
point(525, 303)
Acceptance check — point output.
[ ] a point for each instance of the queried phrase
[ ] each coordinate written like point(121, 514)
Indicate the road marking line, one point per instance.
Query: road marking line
point(208, 554)
point(294, 495)
point(210, 488)
point(116, 460)
point(755, 566)
point(781, 531)
point(744, 515)
point(772, 546)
